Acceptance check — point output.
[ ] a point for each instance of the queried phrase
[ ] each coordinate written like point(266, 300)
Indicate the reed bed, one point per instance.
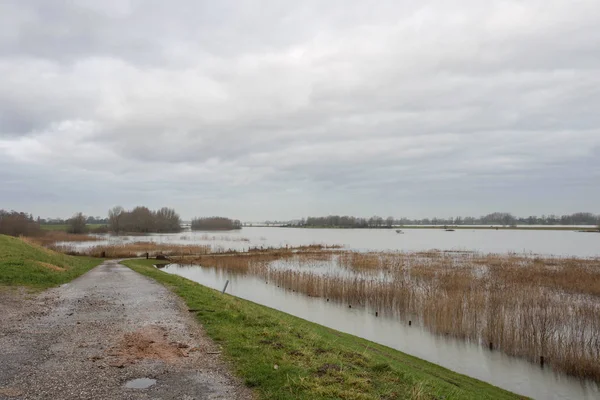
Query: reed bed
point(139, 249)
point(52, 237)
point(525, 306)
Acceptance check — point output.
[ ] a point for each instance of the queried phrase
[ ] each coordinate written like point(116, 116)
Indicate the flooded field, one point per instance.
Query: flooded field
point(560, 243)
point(462, 356)
point(518, 309)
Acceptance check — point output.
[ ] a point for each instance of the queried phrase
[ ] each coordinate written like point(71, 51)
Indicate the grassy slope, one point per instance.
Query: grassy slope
point(314, 362)
point(20, 264)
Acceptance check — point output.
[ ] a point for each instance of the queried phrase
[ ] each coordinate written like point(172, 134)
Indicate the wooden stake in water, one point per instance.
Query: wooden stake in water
point(226, 283)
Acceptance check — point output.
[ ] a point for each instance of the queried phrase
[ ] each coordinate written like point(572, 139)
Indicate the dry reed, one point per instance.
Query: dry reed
point(138, 249)
point(524, 306)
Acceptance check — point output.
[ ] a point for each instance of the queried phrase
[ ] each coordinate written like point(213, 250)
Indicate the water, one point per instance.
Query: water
point(494, 367)
point(543, 242)
point(141, 383)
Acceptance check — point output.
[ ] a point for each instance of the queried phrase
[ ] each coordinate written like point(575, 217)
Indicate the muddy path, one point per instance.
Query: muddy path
point(90, 338)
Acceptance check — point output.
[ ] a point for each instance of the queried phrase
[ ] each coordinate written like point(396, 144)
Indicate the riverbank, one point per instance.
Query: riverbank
point(285, 357)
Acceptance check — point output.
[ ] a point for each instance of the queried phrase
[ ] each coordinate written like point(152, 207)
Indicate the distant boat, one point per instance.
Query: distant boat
point(399, 231)
point(449, 230)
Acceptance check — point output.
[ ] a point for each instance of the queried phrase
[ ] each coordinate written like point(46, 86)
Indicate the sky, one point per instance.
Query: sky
point(279, 110)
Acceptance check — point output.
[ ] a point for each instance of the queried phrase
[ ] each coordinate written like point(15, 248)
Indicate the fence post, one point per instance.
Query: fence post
point(226, 283)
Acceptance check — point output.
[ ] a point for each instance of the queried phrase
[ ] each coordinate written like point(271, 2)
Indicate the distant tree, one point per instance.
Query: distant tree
point(215, 224)
point(167, 220)
point(115, 216)
point(15, 223)
point(389, 222)
point(77, 224)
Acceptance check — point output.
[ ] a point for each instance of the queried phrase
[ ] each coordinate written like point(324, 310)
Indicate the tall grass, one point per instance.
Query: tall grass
point(138, 249)
point(529, 307)
point(51, 237)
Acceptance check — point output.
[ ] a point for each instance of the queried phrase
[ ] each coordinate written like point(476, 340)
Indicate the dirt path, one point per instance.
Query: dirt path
point(88, 338)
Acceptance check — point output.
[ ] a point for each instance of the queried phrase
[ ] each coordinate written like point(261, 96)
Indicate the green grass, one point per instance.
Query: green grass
point(27, 264)
point(314, 362)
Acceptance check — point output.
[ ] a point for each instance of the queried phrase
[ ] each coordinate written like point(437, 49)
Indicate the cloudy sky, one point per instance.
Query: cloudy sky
point(280, 109)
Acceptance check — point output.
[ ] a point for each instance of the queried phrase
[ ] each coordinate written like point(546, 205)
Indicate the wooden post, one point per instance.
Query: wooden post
point(491, 346)
point(147, 256)
point(409, 323)
point(542, 361)
point(103, 255)
point(226, 283)
point(376, 314)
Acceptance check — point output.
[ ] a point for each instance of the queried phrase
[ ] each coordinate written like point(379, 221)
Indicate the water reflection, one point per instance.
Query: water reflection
point(494, 367)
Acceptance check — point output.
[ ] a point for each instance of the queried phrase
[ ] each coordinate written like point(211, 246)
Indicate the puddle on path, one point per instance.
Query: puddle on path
point(140, 383)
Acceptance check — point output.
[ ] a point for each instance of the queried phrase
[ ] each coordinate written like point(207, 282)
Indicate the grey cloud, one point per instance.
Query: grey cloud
point(301, 107)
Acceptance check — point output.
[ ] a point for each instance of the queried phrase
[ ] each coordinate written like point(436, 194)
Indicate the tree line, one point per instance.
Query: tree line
point(497, 218)
point(16, 223)
point(215, 224)
point(61, 221)
point(143, 220)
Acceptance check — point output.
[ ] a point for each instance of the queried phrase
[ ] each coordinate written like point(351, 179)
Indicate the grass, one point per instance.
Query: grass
point(25, 263)
point(284, 357)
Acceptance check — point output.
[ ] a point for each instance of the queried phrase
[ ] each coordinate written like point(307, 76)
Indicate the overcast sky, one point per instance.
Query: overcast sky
point(279, 109)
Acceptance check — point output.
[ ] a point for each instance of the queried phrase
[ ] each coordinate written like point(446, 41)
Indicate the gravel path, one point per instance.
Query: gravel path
point(89, 338)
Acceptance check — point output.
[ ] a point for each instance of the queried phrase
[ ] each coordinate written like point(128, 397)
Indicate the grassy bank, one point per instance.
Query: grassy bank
point(24, 263)
point(284, 357)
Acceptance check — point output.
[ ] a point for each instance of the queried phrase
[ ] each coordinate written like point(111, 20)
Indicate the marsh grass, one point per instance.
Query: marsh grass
point(138, 249)
point(524, 306)
point(51, 237)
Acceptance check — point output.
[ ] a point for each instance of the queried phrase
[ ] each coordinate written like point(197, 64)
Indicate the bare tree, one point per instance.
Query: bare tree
point(77, 223)
point(115, 215)
point(389, 222)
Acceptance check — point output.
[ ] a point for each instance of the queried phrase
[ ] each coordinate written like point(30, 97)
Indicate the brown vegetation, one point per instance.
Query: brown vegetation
point(138, 249)
point(50, 266)
point(524, 306)
point(215, 224)
point(52, 237)
point(15, 223)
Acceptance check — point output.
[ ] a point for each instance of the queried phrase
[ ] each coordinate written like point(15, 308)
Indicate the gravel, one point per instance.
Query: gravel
point(88, 338)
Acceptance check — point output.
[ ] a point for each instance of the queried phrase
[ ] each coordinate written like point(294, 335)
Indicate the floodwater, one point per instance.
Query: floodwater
point(543, 242)
point(512, 374)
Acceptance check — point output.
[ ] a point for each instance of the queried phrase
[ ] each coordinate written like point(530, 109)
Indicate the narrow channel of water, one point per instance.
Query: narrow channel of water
point(494, 367)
